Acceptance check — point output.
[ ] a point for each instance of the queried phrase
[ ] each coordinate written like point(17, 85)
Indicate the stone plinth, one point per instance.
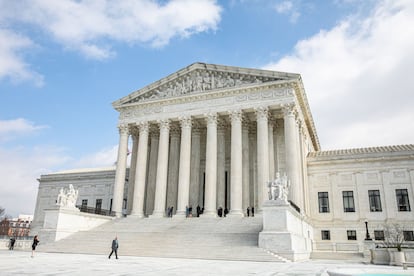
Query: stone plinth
point(62, 222)
point(285, 231)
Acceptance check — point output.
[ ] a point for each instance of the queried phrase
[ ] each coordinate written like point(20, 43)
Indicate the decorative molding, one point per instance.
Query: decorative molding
point(123, 129)
point(211, 118)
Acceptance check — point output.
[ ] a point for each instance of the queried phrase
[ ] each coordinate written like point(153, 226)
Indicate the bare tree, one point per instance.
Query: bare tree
point(394, 236)
point(2, 210)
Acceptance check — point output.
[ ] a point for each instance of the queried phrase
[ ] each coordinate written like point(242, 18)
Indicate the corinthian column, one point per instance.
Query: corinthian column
point(271, 149)
point(184, 170)
point(246, 162)
point(132, 169)
point(262, 154)
point(120, 171)
point(221, 163)
point(292, 153)
point(236, 164)
point(162, 170)
point(211, 166)
point(141, 171)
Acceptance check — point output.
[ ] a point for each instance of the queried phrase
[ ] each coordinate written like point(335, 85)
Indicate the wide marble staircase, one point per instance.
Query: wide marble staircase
point(200, 238)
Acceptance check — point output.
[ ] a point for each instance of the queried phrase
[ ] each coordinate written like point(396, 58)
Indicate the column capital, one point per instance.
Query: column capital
point(262, 112)
point(134, 133)
point(143, 126)
point(185, 121)
point(211, 118)
point(123, 129)
point(164, 123)
point(236, 115)
point(174, 130)
point(289, 109)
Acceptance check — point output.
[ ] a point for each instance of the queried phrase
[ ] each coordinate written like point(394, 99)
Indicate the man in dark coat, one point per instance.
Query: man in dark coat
point(114, 248)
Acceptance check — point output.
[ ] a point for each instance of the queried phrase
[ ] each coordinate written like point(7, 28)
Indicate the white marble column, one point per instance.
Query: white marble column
point(221, 163)
point(120, 171)
point(162, 170)
point(292, 153)
point(253, 165)
point(262, 155)
point(211, 167)
point(246, 162)
point(236, 176)
point(152, 170)
point(195, 169)
point(173, 167)
point(184, 170)
point(132, 169)
point(271, 149)
point(141, 171)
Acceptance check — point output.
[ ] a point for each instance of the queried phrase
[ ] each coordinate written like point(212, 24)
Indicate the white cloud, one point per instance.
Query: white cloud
point(103, 158)
point(288, 8)
point(88, 26)
point(19, 168)
point(10, 129)
point(358, 77)
point(12, 64)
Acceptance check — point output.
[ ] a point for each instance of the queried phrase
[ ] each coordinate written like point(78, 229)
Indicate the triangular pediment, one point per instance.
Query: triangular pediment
point(201, 78)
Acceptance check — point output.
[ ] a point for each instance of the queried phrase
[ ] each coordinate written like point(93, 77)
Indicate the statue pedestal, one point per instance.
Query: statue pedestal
point(285, 231)
point(61, 222)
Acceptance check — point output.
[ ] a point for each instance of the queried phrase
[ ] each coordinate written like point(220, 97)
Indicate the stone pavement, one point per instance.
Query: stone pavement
point(20, 263)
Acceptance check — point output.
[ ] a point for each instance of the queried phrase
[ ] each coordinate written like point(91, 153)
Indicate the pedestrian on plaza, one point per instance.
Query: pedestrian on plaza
point(172, 211)
point(34, 244)
point(248, 211)
point(114, 247)
point(252, 211)
point(226, 211)
point(187, 211)
point(198, 210)
point(12, 242)
point(220, 211)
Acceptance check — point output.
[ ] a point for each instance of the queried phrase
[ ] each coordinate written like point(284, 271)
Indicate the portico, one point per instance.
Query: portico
point(212, 136)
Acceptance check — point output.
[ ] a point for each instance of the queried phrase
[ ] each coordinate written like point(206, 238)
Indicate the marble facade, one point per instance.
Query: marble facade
point(214, 136)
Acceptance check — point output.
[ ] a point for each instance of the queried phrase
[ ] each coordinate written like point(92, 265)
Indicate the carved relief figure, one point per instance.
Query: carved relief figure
point(67, 198)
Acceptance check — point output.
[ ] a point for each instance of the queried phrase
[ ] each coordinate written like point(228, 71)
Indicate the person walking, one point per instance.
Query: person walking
point(12, 242)
point(114, 247)
point(34, 244)
point(248, 211)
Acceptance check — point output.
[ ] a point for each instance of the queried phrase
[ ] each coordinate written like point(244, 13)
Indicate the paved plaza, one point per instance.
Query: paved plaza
point(20, 263)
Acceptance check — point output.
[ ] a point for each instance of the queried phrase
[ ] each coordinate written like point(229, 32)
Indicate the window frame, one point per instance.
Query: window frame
point(374, 198)
point(348, 201)
point(403, 200)
point(328, 235)
point(352, 235)
point(323, 202)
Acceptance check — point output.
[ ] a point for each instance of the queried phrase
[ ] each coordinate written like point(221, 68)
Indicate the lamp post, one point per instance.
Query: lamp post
point(367, 237)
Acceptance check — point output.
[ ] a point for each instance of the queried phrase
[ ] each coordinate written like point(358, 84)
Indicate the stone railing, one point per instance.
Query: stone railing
point(22, 243)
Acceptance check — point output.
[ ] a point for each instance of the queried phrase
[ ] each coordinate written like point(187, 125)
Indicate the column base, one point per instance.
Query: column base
point(235, 214)
point(207, 214)
point(157, 215)
point(179, 216)
point(137, 215)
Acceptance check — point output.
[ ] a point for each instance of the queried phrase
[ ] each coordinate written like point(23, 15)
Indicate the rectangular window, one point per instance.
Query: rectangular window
point(348, 198)
point(84, 205)
point(408, 235)
point(351, 235)
point(323, 202)
point(379, 235)
point(402, 200)
point(326, 235)
point(98, 206)
point(374, 201)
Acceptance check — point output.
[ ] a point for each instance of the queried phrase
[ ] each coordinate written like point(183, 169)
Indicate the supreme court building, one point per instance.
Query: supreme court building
point(214, 136)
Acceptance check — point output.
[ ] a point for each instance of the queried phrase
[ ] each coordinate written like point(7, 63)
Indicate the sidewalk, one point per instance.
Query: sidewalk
point(20, 263)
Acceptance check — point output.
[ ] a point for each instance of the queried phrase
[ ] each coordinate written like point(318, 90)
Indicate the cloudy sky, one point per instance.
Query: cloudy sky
point(62, 64)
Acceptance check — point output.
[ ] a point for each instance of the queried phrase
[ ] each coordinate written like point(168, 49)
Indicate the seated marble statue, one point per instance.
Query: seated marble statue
point(67, 198)
point(279, 188)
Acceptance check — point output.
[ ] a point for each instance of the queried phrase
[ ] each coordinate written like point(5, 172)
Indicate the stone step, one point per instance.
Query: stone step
point(199, 238)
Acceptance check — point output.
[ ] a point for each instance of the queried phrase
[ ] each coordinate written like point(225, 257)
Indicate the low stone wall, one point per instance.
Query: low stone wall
point(20, 244)
point(381, 256)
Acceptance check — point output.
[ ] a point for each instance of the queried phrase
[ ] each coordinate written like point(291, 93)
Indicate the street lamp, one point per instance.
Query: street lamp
point(367, 237)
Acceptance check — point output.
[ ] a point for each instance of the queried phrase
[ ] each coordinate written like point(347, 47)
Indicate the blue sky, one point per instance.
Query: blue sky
point(62, 64)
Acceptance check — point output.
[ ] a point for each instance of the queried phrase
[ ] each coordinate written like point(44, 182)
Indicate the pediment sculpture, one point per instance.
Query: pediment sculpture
point(199, 81)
